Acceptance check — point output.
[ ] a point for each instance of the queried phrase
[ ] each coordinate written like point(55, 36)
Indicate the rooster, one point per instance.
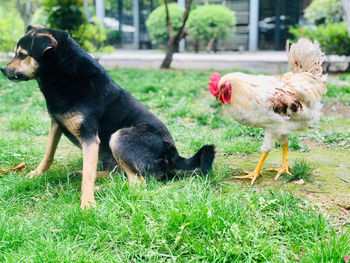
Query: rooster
point(278, 104)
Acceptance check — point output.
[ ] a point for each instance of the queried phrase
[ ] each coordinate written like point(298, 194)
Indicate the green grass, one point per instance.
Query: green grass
point(341, 93)
point(187, 220)
point(301, 169)
point(192, 219)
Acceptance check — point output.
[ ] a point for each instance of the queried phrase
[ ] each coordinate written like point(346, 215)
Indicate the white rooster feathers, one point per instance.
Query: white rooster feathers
point(285, 103)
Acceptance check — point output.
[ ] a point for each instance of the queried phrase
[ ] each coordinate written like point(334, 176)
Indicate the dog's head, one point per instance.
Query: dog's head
point(30, 49)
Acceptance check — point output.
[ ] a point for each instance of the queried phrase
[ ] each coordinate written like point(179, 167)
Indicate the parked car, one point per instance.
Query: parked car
point(267, 29)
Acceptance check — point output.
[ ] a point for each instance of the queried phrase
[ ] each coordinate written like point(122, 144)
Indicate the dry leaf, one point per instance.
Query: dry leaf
point(18, 167)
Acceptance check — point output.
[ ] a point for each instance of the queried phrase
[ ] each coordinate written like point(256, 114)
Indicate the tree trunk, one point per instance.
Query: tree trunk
point(215, 45)
point(346, 14)
point(171, 49)
point(210, 44)
point(196, 45)
point(174, 40)
point(26, 10)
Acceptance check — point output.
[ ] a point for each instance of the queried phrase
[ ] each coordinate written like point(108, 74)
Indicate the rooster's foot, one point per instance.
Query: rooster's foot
point(250, 175)
point(256, 173)
point(284, 169)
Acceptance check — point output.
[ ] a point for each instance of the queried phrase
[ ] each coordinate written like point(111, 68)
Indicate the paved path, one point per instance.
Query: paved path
point(261, 61)
point(264, 61)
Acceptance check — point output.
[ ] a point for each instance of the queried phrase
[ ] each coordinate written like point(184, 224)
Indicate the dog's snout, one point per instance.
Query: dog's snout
point(3, 70)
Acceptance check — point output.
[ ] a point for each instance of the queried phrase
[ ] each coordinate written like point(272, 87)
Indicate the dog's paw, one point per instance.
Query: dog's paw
point(33, 174)
point(87, 203)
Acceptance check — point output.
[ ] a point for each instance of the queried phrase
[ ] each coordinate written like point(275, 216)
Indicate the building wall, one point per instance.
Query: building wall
point(292, 9)
point(239, 40)
point(272, 34)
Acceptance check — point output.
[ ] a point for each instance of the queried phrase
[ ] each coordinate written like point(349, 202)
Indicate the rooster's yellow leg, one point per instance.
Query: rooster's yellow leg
point(285, 167)
point(255, 174)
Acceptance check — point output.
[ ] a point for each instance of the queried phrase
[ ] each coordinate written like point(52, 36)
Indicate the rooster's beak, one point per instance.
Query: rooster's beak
point(219, 97)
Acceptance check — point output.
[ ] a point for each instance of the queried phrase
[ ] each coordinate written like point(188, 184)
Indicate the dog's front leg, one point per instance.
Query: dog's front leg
point(90, 158)
point(54, 137)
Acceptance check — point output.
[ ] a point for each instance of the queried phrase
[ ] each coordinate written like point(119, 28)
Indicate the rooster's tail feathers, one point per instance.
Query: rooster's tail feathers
point(305, 56)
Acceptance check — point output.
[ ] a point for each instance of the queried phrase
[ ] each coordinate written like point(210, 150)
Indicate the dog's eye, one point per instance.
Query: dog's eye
point(22, 56)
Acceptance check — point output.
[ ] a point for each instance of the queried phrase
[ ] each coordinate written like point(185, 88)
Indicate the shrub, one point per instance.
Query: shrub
point(324, 11)
point(91, 36)
point(69, 15)
point(65, 15)
point(301, 32)
point(156, 22)
point(107, 49)
point(211, 22)
point(11, 29)
point(333, 37)
point(113, 36)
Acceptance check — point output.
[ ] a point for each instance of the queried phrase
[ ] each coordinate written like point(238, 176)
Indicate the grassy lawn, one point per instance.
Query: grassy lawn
point(195, 218)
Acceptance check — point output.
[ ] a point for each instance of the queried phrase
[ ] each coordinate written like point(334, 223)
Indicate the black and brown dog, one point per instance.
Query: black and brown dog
point(95, 113)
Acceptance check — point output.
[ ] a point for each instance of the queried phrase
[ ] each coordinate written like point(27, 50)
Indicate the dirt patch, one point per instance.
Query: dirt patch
point(336, 109)
point(312, 145)
point(328, 190)
point(337, 209)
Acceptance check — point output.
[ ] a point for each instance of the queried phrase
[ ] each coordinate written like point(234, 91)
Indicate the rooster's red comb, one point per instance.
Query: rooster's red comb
point(213, 85)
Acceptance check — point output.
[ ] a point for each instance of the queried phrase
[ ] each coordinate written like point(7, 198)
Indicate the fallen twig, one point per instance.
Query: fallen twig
point(342, 179)
point(314, 192)
point(18, 167)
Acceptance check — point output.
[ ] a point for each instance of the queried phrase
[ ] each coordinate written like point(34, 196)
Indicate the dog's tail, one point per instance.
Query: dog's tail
point(203, 159)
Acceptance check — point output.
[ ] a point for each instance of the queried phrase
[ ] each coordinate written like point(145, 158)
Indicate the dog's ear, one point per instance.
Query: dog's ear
point(59, 35)
point(43, 42)
point(47, 39)
point(30, 27)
